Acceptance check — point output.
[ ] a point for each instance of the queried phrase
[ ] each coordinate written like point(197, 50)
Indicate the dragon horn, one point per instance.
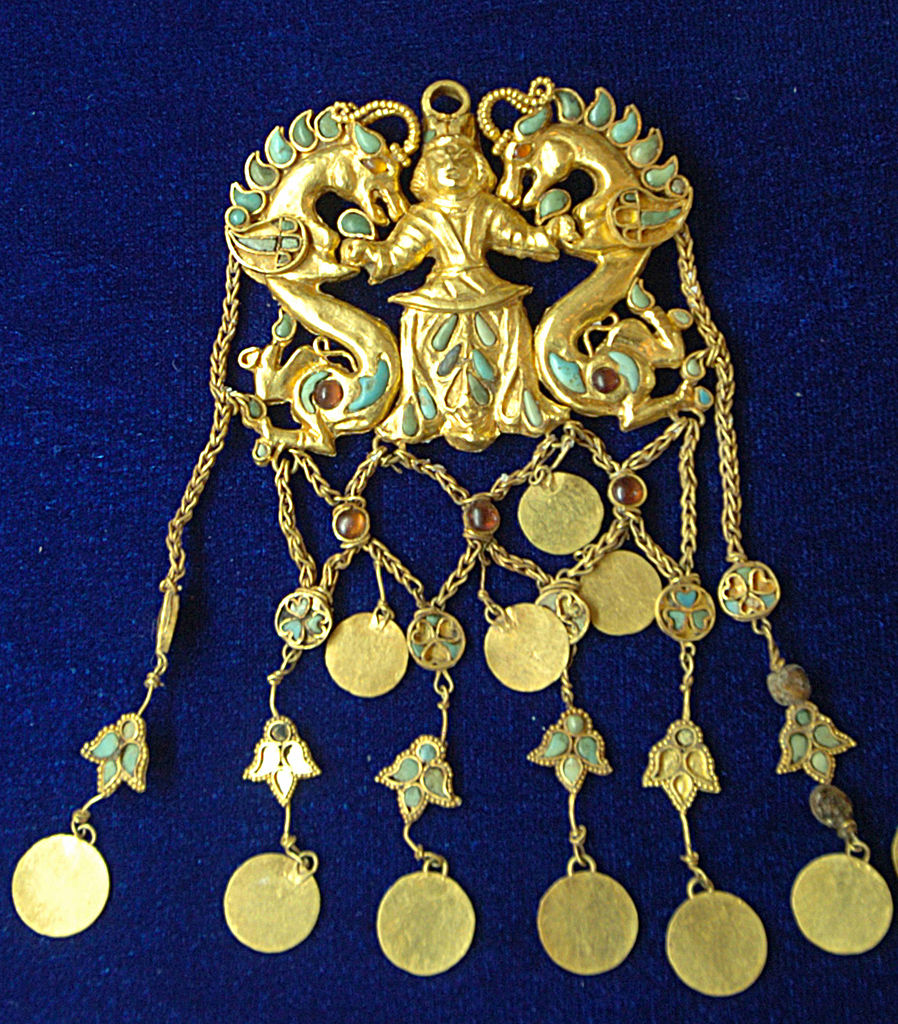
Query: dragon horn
point(540, 92)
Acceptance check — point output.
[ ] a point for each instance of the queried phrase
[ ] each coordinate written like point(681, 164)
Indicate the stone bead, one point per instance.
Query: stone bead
point(627, 490)
point(482, 516)
point(279, 732)
point(789, 685)
point(328, 393)
point(831, 807)
point(351, 523)
point(605, 379)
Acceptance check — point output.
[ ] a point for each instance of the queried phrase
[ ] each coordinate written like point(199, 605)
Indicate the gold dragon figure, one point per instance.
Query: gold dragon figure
point(589, 357)
point(345, 381)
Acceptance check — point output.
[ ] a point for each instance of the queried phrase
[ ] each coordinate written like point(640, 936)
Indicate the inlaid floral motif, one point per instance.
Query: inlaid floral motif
point(420, 775)
point(681, 765)
point(281, 759)
point(809, 742)
point(121, 754)
point(573, 748)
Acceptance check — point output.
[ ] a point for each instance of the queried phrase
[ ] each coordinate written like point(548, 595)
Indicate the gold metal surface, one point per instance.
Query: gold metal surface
point(570, 607)
point(895, 851)
point(587, 922)
point(842, 904)
point(561, 513)
point(716, 944)
point(60, 885)
point(527, 648)
point(366, 655)
point(621, 592)
point(271, 904)
point(425, 923)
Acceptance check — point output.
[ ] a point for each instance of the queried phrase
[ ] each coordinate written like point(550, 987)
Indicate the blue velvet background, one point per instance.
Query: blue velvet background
point(122, 126)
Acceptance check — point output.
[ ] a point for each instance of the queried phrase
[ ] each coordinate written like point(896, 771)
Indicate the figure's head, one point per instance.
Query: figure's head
point(452, 167)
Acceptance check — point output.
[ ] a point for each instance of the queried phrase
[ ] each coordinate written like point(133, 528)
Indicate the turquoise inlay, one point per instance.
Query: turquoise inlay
point(428, 406)
point(251, 201)
point(558, 744)
point(369, 142)
point(681, 316)
point(821, 762)
point(567, 373)
point(291, 242)
point(435, 781)
point(314, 623)
point(261, 451)
point(571, 769)
point(254, 408)
point(427, 751)
point(261, 174)
point(428, 135)
point(284, 326)
point(600, 112)
point(444, 332)
point(478, 392)
point(354, 222)
point(588, 749)
point(569, 101)
point(824, 736)
point(652, 217)
point(408, 769)
point(803, 716)
point(732, 607)
point(107, 746)
point(130, 756)
point(109, 771)
point(532, 124)
point(628, 369)
point(452, 648)
point(279, 150)
point(236, 216)
point(704, 396)
point(623, 131)
point(308, 386)
point(409, 421)
point(412, 796)
point(482, 365)
point(262, 243)
point(677, 619)
point(129, 730)
point(693, 367)
point(657, 177)
point(744, 571)
point(798, 743)
point(638, 297)
point(486, 334)
point(700, 618)
point(768, 599)
point(554, 201)
point(301, 131)
point(327, 126)
point(447, 364)
point(685, 737)
point(644, 152)
point(686, 598)
point(371, 388)
point(574, 724)
point(292, 627)
point(532, 411)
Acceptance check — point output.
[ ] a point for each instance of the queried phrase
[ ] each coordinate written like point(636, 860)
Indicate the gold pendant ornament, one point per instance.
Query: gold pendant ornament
point(467, 367)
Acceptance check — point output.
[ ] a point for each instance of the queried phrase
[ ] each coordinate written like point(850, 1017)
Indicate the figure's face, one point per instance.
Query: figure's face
point(453, 167)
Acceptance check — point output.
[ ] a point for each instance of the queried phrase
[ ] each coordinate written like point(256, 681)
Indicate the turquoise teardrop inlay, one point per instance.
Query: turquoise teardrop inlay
point(554, 201)
point(644, 152)
point(798, 743)
point(428, 135)
point(301, 131)
point(447, 363)
point(409, 421)
point(107, 746)
point(444, 332)
point(371, 388)
point(681, 316)
point(109, 771)
point(368, 141)
point(627, 367)
point(254, 408)
point(569, 101)
point(625, 130)
point(486, 334)
point(803, 716)
point(279, 150)
point(129, 730)
point(658, 177)
point(261, 174)
point(588, 749)
point(482, 365)
point(435, 781)
point(327, 126)
point(307, 387)
point(478, 392)
point(408, 769)
point(824, 736)
point(574, 724)
point(821, 762)
point(532, 411)
point(567, 373)
point(428, 406)
point(638, 297)
point(284, 327)
point(427, 751)
point(704, 398)
point(412, 797)
point(558, 744)
point(693, 367)
point(533, 123)
point(571, 769)
point(251, 201)
point(600, 112)
point(354, 222)
point(130, 756)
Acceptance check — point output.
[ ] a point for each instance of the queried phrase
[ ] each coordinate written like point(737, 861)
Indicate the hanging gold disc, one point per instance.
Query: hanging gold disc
point(271, 904)
point(895, 852)
point(425, 923)
point(60, 885)
point(528, 649)
point(841, 904)
point(587, 922)
point(561, 513)
point(716, 944)
point(366, 656)
point(621, 593)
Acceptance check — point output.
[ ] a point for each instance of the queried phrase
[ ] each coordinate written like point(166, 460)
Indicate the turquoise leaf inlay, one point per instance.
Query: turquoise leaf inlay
point(627, 367)
point(533, 123)
point(371, 388)
point(130, 756)
point(486, 334)
point(569, 102)
point(554, 201)
point(482, 365)
point(444, 332)
point(428, 406)
point(638, 297)
point(251, 201)
point(447, 363)
point(301, 131)
point(645, 151)
point(625, 130)
point(368, 141)
point(109, 771)
point(435, 781)
point(355, 224)
point(307, 387)
point(478, 392)
point(658, 177)
point(588, 749)
point(567, 373)
point(279, 150)
point(261, 174)
point(412, 796)
point(107, 746)
point(327, 126)
point(407, 770)
point(558, 744)
point(600, 112)
point(532, 411)
point(254, 408)
point(650, 218)
point(284, 327)
point(686, 598)
point(409, 421)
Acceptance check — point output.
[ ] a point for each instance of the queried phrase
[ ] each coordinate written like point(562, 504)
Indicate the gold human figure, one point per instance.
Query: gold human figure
point(468, 369)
